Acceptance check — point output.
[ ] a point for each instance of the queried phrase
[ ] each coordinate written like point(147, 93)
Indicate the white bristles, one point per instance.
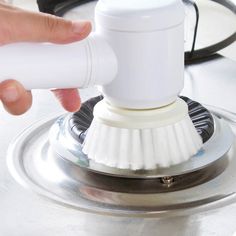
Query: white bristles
point(142, 148)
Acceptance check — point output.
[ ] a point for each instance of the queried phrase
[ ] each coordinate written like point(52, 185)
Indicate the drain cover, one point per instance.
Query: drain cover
point(54, 172)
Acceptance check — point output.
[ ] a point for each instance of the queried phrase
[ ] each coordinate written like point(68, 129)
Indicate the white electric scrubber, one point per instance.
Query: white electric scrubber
point(136, 55)
point(142, 124)
point(141, 139)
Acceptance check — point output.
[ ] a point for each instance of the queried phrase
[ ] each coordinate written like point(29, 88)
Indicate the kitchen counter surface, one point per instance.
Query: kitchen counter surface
point(25, 214)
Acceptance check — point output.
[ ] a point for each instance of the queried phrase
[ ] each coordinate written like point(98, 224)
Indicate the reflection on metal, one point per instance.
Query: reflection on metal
point(168, 181)
point(54, 172)
point(65, 145)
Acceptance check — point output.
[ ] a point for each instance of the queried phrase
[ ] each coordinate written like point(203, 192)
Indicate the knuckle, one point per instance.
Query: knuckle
point(5, 35)
point(6, 26)
point(51, 23)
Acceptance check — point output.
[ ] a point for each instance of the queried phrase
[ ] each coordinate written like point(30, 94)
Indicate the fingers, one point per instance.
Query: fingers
point(14, 97)
point(17, 100)
point(69, 99)
point(28, 26)
point(17, 25)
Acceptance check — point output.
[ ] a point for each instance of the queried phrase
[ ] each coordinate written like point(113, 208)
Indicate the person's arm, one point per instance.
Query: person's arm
point(18, 25)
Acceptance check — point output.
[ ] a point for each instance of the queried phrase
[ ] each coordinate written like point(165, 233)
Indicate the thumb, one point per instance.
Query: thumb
point(25, 26)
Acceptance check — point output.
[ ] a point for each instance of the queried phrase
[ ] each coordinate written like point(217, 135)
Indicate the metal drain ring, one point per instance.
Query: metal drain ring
point(68, 147)
point(32, 163)
point(100, 183)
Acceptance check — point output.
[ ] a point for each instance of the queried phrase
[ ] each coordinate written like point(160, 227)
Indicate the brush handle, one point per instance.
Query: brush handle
point(45, 65)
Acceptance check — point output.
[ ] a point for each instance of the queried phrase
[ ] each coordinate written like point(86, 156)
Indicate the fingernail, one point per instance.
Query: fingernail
point(10, 94)
point(79, 27)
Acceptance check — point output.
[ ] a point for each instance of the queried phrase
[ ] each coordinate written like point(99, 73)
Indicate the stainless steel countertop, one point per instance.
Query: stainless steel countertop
point(25, 214)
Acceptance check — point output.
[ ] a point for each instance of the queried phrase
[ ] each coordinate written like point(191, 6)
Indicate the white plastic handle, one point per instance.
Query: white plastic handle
point(45, 66)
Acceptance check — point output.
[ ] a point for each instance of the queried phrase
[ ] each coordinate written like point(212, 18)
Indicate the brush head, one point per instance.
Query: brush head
point(141, 139)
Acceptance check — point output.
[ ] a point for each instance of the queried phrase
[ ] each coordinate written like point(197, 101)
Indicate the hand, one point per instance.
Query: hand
point(17, 25)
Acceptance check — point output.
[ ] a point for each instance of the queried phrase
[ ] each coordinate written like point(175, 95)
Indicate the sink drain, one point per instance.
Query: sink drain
point(207, 181)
